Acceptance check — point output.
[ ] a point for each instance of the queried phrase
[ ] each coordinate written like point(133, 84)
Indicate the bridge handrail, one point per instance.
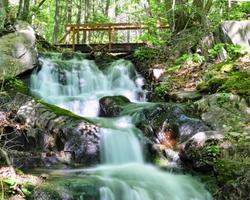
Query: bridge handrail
point(110, 27)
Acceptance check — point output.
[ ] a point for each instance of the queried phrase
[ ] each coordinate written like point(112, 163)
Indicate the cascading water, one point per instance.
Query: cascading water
point(124, 175)
point(78, 85)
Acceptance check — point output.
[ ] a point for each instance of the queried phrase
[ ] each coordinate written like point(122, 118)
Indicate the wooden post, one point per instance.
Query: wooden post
point(73, 45)
point(229, 3)
point(110, 38)
point(78, 35)
point(112, 35)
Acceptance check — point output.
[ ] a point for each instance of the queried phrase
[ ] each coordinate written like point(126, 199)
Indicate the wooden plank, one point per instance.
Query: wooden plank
point(116, 48)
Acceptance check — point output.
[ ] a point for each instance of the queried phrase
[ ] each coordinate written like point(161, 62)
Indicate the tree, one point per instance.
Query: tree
point(56, 22)
point(3, 12)
point(24, 10)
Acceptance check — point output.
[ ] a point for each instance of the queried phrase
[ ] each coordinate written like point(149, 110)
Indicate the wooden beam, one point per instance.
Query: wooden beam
point(111, 28)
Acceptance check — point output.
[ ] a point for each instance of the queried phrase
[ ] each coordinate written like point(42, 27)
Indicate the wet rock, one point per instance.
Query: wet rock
point(68, 189)
point(224, 111)
point(55, 136)
point(184, 96)
point(163, 122)
point(112, 106)
point(199, 151)
point(61, 133)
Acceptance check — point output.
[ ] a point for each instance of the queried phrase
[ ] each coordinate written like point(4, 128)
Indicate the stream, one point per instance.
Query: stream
point(77, 85)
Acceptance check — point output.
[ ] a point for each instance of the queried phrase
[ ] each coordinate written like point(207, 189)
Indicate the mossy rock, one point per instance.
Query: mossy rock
point(17, 51)
point(68, 187)
point(112, 106)
point(224, 111)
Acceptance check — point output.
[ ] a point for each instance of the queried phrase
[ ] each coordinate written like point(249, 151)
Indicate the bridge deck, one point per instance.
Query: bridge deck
point(115, 47)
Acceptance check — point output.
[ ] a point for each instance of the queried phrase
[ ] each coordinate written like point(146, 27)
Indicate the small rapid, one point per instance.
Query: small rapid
point(123, 174)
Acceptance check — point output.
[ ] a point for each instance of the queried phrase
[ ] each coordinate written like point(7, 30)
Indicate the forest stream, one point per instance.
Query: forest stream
point(77, 85)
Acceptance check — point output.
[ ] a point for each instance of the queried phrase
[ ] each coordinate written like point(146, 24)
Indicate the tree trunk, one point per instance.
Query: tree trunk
point(3, 6)
point(20, 8)
point(56, 21)
point(25, 11)
point(69, 20)
point(107, 8)
point(79, 14)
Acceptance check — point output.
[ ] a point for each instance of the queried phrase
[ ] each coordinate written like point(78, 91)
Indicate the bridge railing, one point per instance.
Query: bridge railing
point(74, 32)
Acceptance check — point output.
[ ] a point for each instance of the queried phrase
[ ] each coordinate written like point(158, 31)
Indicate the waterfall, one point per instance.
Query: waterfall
point(78, 86)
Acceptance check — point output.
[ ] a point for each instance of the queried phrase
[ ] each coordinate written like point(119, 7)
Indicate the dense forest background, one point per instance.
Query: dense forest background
point(49, 17)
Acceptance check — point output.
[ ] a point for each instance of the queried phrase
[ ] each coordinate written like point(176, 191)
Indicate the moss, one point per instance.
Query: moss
point(237, 83)
point(224, 77)
point(11, 83)
point(212, 85)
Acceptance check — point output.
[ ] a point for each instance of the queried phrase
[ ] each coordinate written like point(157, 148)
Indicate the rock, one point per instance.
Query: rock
point(236, 32)
point(42, 135)
point(7, 172)
point(3, 116)
point(196, 153)
point(111, 106)
point(183, 96)
point(17, 51)
point(68, 189)
point(224, 111)
point(164, 123)
point(60, 131)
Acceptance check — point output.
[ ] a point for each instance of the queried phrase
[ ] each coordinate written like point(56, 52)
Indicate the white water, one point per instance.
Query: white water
point(123, 173)
point(79, 87)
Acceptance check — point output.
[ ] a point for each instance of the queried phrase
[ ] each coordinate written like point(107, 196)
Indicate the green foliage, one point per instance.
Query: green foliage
point(145, 54)
point(213, 150)
point(234, 51)
point(196, 58)
point(14, 188)
point(220, 12)
point(237, 83)
point(163, 88)
point(14, 83)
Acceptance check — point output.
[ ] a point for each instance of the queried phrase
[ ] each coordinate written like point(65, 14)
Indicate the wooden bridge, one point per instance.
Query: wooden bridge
point(79, 37)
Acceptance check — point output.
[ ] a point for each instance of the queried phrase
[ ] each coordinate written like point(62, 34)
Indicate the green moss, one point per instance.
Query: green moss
point(16, 84)
point(237, 83)
point(223, 77)
point(212, 85)
point(61, 112)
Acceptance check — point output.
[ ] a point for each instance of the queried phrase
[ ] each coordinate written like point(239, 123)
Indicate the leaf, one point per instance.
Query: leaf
point(234, 134)
point(10, 181)
point(26, 191)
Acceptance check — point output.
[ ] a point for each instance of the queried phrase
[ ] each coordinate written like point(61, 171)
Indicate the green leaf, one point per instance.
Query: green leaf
point(10, 181)
point(26, 191)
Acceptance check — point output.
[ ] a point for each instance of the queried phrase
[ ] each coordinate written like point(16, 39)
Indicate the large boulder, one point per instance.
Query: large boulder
point(224, 112)
point(111, 106)
point(200, 150)
point(236, 32)
point(67, 188)
point(164, 123)
point(17, 50)
point(40, 134)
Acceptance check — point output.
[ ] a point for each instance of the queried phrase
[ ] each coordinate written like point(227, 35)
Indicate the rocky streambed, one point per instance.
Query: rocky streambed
point(206, 135)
